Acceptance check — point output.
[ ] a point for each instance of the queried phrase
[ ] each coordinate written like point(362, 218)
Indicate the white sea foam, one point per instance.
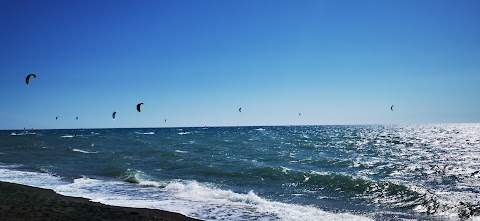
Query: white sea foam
point(43, 180)
point(190, 198)
point(235, 206)
point(285, 169)
point(22, 133)
point(83, 151)
point(145, 133)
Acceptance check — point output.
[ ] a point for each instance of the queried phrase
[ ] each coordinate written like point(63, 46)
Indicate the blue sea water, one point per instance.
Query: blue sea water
point(363, 172)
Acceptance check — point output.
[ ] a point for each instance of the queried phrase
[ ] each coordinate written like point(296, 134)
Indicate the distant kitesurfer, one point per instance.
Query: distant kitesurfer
point(138, 106)
point(27, 80)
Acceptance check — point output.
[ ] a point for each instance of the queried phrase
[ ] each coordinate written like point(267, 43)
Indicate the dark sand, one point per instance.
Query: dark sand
point(19, 202)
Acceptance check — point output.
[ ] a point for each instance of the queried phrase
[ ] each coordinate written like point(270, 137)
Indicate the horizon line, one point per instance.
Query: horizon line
point(219, 126)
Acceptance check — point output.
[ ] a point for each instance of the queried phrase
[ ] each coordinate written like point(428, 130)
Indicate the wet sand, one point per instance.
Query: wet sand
point(19, 202)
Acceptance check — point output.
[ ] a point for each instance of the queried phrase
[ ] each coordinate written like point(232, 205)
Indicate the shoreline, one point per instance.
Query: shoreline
point(21, 202)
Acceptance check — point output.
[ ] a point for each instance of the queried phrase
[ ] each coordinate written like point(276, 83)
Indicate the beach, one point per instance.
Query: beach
point(20, 202)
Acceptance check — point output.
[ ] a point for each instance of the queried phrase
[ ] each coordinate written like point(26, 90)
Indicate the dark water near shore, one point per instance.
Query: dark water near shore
point(425, 172)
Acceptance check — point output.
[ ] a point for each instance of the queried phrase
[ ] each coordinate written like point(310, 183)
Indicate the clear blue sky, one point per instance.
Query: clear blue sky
point(195, 63)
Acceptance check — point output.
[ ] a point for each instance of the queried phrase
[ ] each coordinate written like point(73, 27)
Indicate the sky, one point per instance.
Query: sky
point(195, 63)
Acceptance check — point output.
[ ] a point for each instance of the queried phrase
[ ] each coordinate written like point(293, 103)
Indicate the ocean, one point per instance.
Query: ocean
point(360, 172)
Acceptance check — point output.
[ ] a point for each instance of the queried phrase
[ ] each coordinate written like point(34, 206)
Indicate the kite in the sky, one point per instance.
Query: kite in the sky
point(138, 106)
point(113, 115)
point(391, 108)
point(239, 109)
point(27, 80)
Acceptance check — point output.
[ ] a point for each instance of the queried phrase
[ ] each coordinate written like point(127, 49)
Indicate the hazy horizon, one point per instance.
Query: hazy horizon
point(238, 126)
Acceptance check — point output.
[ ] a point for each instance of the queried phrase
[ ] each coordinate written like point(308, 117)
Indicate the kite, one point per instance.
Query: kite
point(138, 106)
point(27, 80)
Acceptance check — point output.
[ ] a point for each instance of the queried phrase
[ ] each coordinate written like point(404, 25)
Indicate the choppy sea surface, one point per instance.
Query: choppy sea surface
point(363, 172)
